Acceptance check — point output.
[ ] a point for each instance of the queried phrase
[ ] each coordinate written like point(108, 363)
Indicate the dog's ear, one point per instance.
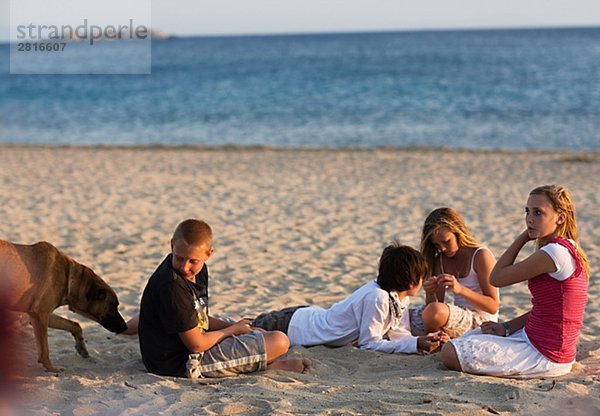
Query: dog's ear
point(96, 293)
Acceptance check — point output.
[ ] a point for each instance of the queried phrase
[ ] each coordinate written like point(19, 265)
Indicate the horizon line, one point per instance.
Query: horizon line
point(361, 31)
point(587, 154)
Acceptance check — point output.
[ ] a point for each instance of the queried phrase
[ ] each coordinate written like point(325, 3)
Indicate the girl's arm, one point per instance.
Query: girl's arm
point(488, 301)
point(434, 292)
point(496, 328)
point(506, 273)
point(517, 323)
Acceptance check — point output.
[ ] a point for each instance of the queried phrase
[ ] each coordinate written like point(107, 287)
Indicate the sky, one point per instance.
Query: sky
point(241, 17)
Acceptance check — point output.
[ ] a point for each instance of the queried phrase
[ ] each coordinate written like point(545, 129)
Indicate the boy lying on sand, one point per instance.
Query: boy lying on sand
point(377, 309)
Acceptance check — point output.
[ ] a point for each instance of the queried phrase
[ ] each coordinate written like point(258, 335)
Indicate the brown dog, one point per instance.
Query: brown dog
point(38, 278)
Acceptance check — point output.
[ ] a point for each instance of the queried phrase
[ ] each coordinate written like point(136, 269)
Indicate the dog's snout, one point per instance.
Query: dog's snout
point(114, 323)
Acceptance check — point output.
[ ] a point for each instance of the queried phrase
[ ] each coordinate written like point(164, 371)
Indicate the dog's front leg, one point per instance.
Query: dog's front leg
point(58, 322)
point(39, 321)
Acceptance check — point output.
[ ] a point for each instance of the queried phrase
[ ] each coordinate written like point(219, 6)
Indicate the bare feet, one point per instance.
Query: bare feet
point(297, 365)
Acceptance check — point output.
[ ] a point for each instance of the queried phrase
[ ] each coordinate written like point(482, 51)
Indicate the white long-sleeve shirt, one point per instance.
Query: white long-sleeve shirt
point(366, 315)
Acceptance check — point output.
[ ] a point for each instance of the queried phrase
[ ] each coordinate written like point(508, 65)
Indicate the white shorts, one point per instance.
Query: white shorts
point(513, 356)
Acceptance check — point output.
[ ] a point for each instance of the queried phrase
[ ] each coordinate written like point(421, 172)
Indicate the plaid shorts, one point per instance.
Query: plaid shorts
point(234, 355)
point(276, 320)
point(459, 322)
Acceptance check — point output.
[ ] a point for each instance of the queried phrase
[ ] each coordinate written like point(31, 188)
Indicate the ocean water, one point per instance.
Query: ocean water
point(515, 89)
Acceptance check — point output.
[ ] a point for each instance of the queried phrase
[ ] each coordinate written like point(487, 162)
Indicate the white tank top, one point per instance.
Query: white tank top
point(471, 281)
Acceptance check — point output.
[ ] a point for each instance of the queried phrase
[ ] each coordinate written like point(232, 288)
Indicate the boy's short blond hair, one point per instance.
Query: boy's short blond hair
point(195, 233)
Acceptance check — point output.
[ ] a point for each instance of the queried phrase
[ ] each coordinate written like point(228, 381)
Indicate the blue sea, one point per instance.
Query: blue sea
point(514, 89)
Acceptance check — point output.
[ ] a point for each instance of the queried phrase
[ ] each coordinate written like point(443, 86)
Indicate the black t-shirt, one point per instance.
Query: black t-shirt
point(170, 304)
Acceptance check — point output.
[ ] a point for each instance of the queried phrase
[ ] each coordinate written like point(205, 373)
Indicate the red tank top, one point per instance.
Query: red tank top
point(558, 308)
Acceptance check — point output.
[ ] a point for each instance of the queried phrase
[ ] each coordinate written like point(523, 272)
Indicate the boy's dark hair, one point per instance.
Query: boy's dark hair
point(400, 268)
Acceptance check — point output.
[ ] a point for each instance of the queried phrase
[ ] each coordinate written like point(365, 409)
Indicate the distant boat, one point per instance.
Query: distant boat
point(158, 34)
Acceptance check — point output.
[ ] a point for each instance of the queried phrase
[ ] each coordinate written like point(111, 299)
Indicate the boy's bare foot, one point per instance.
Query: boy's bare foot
point(297, 365)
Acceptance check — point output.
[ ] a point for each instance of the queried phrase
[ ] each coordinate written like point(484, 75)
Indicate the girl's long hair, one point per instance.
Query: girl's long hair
point(449, 218)
point(562, 202)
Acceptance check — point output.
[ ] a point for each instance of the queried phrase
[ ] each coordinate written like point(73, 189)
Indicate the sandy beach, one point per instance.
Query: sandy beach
point(291, 227)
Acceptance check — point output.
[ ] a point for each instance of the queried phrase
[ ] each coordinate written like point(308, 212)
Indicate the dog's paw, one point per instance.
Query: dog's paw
point(82, 350)
point(52, 369)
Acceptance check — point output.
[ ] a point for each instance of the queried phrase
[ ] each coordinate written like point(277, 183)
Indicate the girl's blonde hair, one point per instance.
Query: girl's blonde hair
point(562, 202)
point(449, 218)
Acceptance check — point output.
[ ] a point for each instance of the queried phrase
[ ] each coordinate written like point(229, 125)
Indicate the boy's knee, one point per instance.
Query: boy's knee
point(278, 340)
point(450, 358)
point(435, 316)
point(283, 340)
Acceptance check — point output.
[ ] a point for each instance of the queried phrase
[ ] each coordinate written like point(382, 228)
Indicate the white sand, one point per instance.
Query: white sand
point(291, 227)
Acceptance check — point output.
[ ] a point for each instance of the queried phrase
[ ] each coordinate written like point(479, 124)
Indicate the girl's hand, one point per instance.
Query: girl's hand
point(524, 237)
point(430, 285)
point(493, 328)
point(450, 282)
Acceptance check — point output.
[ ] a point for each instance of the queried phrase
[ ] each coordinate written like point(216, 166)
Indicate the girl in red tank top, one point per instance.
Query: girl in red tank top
point(541, 342)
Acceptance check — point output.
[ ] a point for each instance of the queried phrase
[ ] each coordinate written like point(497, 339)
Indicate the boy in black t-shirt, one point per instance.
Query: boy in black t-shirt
point(177, 335)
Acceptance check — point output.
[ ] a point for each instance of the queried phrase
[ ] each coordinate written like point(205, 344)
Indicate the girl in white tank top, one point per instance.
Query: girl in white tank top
point(471, 281)
point(460, 265)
